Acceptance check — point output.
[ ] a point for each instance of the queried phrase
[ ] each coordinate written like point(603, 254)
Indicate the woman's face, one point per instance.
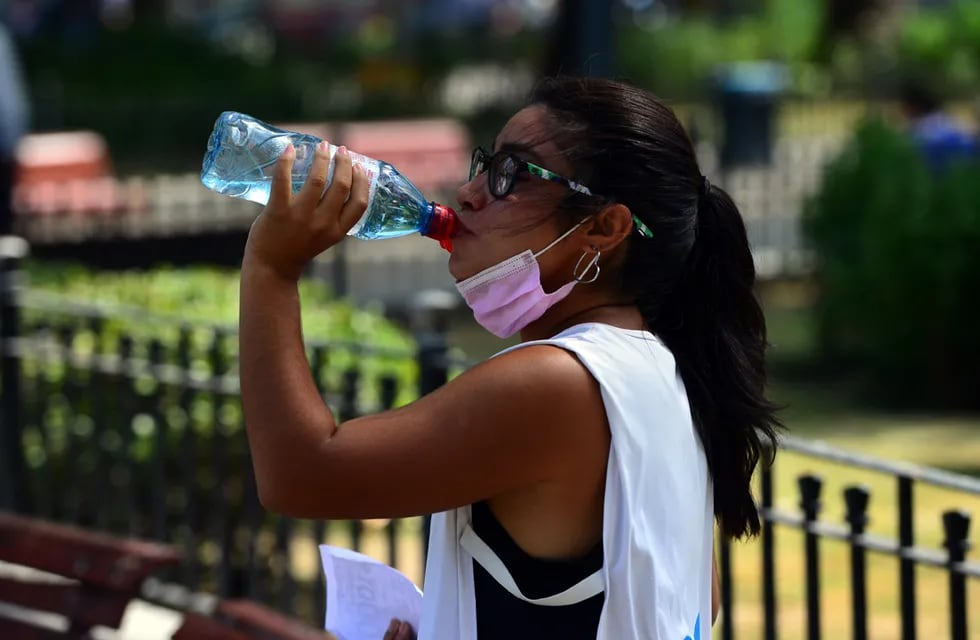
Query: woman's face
point(496, 229)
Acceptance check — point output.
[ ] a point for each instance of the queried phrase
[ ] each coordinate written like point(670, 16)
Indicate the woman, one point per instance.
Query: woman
point(577, 477)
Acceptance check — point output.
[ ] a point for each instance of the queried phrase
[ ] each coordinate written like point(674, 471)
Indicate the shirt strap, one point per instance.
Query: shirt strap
point(491, 562)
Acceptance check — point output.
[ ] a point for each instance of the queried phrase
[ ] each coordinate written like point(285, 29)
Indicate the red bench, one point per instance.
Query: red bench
point(59, 581)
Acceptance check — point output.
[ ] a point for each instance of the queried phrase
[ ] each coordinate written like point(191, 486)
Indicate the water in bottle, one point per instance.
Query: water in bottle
point(240, 162)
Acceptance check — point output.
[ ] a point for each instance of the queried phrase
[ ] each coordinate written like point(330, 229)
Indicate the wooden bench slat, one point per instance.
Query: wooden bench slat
point(85, 607)
point(10, 628)
point(90, 557)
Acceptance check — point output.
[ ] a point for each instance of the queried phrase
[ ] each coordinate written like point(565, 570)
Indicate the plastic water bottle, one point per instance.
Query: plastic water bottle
point(240, 162)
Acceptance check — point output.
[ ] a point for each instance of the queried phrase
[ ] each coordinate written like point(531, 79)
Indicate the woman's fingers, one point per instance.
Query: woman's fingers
point(357, 202)
point(313, 220)
point(340, 184)
point(282, 187)
point(392, 630)
point(316, 180)
point(399, 630)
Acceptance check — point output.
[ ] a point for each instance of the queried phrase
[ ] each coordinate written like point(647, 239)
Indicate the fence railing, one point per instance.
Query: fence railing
point(853, 532)
point(130, 423)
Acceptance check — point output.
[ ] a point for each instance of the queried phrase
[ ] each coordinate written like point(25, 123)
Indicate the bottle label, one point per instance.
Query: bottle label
point(372, 168)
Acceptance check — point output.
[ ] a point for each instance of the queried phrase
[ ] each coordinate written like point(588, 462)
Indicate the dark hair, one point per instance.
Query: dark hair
point(692, 280)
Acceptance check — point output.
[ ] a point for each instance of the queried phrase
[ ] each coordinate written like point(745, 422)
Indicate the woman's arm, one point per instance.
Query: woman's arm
point(517, 420)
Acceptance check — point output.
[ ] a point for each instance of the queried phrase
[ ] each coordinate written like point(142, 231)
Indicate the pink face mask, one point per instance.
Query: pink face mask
point(508, 296)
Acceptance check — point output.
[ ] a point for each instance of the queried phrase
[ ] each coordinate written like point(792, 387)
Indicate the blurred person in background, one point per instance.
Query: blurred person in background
point(13, 124)
point(940, 138)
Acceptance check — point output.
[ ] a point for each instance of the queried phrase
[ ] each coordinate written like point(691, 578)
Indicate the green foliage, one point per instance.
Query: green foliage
point(943, 45)
point(676, 57)
point(938, 48)
point(210, 295)
point(154, 92)
point(898, 265)
point(159, 301)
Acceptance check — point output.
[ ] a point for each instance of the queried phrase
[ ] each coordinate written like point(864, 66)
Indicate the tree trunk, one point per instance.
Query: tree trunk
point(841, 18)
point(581, 42)
point(149, 11)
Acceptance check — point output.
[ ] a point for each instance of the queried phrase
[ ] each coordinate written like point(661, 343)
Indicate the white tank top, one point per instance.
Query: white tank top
point(657, 516)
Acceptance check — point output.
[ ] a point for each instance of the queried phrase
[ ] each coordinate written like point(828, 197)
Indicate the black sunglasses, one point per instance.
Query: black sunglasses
point(504, 168)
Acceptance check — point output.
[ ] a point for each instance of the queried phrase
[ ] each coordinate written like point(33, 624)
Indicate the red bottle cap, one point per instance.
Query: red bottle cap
point(442, 226)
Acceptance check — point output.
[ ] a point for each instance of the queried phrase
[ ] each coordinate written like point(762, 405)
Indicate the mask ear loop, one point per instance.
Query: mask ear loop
point(561, 237)
point(594, 262)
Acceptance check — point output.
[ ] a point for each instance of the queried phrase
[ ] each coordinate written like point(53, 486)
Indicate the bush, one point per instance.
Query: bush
point(898, 264)
point(207, 298)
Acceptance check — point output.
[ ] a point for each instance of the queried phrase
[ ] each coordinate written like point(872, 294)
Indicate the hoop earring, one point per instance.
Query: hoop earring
point(594, 262)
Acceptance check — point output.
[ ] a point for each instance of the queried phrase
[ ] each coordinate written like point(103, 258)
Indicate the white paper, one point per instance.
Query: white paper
point(363, 595)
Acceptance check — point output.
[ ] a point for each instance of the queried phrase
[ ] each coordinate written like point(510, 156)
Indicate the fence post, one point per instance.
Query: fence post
point(159, 484)
point(13, 485)
point(768, 556)
point(725, 578)
point(906, 541)
point(810, 486)
point(856, 500)
point(956, 525)
point(430, 323)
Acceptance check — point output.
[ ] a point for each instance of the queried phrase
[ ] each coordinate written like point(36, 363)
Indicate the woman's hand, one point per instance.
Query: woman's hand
point(294, 229)
point(399, 630)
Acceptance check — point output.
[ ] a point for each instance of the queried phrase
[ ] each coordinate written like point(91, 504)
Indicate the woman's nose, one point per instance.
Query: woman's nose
point(472, 194)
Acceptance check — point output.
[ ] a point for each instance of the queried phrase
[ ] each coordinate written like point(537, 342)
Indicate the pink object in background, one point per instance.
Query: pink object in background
point(68, 173)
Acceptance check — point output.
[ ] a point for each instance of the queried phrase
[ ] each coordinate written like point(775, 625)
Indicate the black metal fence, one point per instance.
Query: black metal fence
point(129, 423)
point(853, 532)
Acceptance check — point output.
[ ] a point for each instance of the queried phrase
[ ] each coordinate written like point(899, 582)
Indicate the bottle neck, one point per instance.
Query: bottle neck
point(440, 225)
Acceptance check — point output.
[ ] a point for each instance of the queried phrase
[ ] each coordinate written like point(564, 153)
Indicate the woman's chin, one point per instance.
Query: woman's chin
point(460, 269)
point(454, 268)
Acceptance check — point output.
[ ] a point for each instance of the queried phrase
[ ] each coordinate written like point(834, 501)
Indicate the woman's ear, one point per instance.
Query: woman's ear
point(608, 228)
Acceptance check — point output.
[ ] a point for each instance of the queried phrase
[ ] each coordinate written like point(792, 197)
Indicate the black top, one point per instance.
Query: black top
point(501, 615)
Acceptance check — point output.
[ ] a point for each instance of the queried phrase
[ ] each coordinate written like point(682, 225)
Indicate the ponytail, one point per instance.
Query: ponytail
point(713, 324)
point(692, 278)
